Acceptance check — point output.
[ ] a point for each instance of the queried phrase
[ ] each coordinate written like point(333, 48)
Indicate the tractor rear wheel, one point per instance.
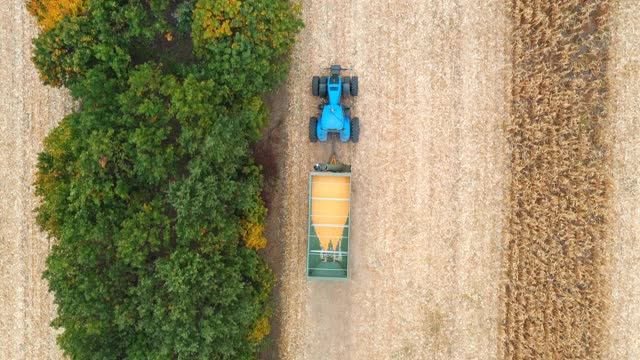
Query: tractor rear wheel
point(315, 85)
point(313, 129)
point(354, 86)
point(355, 130)
point(322, 89)
point(346, 86)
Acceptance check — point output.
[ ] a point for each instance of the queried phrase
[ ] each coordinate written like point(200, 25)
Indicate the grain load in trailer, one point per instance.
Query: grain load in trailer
point(328, 236)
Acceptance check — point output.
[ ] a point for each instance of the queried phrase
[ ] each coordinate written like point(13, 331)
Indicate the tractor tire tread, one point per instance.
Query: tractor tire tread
point(315, 85)
point(354, 86)
point(355, 130)
point(313, 129)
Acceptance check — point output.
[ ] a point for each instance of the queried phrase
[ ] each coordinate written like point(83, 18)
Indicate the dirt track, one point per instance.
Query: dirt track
point(428, 178)
point(28, 110)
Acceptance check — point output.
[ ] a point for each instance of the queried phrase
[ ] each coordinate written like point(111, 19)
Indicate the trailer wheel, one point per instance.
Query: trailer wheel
point(346, 86)
point(346, 112)
point(313, 129)
point(355, 130)
point(315, 85)
point(354, 86)
point(322, 89)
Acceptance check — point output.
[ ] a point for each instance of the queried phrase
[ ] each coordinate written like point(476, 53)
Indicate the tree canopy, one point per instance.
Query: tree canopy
point(149, 188)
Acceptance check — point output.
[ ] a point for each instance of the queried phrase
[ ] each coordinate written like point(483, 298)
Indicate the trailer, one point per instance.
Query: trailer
point(329, 222)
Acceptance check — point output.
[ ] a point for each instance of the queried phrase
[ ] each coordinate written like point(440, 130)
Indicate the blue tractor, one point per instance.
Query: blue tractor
point(336, 117)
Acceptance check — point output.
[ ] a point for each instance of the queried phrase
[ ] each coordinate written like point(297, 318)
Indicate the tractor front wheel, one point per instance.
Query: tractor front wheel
point(313, 129)
point(322, 88)
point(355, 130)
point(315, 85)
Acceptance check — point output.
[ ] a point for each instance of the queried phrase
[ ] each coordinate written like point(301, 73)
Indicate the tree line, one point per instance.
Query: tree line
point(149, 187)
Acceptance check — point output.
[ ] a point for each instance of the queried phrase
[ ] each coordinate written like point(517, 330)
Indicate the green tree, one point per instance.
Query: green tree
point(150, 189)
point(110, 37)
point(243, 43)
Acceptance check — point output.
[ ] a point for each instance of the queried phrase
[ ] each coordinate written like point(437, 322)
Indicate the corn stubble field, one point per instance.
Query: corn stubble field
point(505, 225)
point(555, 296)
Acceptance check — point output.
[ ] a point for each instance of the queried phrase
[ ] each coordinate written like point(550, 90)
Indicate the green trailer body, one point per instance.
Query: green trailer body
point(329, 225)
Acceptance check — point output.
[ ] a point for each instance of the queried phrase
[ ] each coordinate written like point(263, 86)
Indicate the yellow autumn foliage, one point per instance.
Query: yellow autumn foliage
point(215, 18)
point(253, 227)
point(260, 330)
point(50, 12)
point(49, 176)
point(252, 235)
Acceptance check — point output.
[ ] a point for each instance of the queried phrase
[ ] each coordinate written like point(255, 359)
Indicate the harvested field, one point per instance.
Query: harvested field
point(554, 299)
point(624, 76)
point(27, 112)
point(428, 182)
point(471, 239)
